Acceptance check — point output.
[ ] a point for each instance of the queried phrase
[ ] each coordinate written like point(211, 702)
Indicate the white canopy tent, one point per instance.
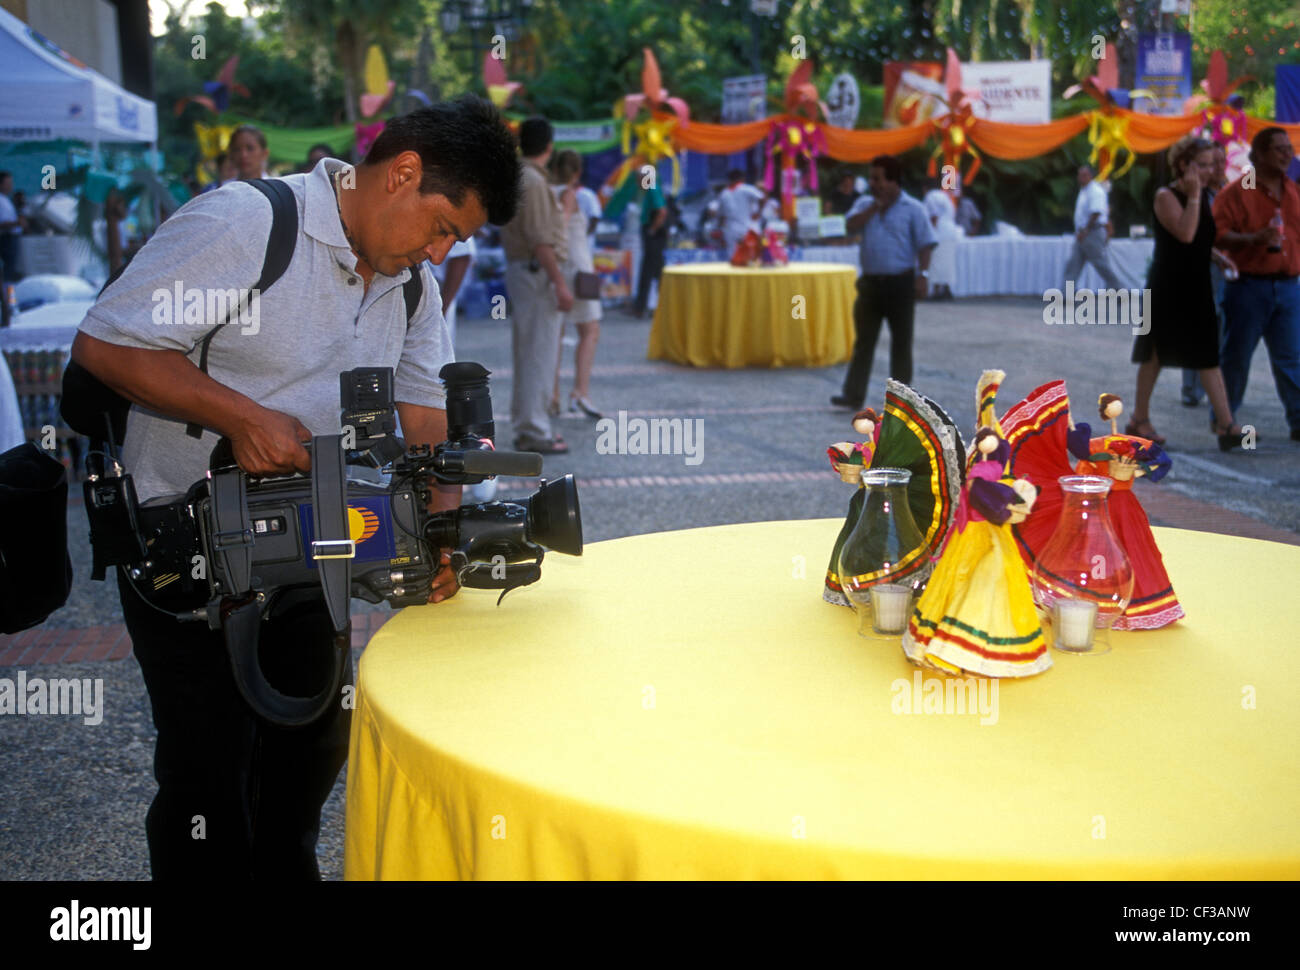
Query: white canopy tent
point(46, 94)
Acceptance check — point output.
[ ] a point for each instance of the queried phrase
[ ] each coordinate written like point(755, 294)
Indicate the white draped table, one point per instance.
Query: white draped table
point(1015, 265)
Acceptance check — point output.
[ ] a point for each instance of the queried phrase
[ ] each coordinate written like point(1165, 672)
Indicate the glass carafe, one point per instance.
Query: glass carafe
point(883, 564)
point(1083, 579)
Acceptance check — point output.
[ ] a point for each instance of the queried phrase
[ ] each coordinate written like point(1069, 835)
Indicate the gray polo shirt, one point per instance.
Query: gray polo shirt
point(287, 351)
point(891, 240)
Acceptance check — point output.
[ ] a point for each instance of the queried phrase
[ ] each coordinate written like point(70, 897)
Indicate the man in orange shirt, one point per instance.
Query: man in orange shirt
point(1265, 300)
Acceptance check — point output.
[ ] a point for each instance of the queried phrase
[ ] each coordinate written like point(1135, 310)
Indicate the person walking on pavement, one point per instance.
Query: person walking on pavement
point(535, 247)
point(654, 240)
point(585, 315)
point(1260, 225)
point(1183, 330)
point(896, 238)
point(1091, 236)
point(1193, 392)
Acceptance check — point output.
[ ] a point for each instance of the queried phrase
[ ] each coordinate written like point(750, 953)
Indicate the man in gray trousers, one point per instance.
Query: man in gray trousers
point(535, 243)
point(1091, 211)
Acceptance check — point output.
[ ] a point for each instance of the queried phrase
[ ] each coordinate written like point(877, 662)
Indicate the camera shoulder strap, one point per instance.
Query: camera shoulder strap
point(332, 547)
point(412, 290)
point(280, 245)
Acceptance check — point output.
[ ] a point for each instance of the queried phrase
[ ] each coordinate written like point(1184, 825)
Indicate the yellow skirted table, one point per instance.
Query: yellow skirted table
point(718, 315)
point(684, 705)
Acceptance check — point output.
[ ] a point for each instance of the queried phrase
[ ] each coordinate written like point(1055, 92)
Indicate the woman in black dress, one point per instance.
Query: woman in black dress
point(1184, 331)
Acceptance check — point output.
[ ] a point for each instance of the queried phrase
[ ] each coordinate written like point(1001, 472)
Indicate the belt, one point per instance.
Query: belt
point(882, 277)
point(1271, 277)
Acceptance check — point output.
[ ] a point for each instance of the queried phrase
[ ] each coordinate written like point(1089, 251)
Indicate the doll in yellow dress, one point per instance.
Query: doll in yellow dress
point(977, 613)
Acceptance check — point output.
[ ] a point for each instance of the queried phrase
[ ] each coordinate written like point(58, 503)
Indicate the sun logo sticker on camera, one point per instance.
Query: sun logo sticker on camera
point(362, 523)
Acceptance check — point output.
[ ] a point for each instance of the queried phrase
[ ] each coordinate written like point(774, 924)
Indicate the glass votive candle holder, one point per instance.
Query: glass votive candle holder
point(891, 604)
point(1074, 627)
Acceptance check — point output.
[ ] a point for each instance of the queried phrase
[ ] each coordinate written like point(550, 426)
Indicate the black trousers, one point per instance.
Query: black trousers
point(891, 298)
point(238, 798)
point(653, 245)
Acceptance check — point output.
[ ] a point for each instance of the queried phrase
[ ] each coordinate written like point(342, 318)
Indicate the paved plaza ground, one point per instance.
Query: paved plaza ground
point(76, 795)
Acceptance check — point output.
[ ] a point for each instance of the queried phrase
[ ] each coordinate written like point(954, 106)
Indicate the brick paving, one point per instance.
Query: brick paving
point(110, 642)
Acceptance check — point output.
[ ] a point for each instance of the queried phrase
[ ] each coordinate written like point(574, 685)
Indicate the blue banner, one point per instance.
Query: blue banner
point(1287, 109)
point(1164, 67)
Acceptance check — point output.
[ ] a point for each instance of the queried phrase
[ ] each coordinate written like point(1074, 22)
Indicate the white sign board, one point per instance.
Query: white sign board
point(843, 101)
point(1015, 91)
point(744, 98)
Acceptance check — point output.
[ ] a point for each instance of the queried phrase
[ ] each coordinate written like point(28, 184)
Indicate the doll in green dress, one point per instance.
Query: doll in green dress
point(912, 433)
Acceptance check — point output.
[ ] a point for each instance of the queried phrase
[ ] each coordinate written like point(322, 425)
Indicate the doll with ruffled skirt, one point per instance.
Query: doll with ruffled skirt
point(977, 613)
point(913, 433)
point(1043, 437)
point(849, 458)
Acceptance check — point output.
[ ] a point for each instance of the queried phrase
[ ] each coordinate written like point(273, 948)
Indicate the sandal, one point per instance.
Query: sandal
point(1144, 429)
point(583, 405)
point(1231, 438)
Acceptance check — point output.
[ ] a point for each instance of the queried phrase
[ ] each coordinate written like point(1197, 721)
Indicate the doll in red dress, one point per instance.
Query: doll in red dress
point(1042, 439)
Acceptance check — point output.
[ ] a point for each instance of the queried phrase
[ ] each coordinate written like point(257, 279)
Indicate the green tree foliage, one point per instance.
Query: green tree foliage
point(289, 85)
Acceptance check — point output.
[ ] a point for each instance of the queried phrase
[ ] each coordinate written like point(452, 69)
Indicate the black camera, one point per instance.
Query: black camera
point(228, 549)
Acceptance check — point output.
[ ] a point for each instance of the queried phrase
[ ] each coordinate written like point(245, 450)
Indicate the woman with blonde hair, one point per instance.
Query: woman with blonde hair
point(1183, 329)
point(585, 315)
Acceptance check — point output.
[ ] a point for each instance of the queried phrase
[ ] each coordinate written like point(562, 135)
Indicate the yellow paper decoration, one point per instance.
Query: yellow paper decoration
point(376, 72)
point(1108, 135)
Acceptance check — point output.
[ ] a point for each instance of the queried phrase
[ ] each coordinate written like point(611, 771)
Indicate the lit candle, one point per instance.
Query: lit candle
point(1075, 621)
point(889, 608)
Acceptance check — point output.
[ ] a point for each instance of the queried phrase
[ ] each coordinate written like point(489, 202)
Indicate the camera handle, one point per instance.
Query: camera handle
point(241, 623)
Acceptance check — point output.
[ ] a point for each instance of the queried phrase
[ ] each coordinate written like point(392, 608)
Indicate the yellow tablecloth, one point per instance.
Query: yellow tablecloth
point(684, 705)
point(718, 315)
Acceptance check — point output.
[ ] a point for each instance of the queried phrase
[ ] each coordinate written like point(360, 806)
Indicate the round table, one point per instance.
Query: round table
point(684, 705)
point(718, 315)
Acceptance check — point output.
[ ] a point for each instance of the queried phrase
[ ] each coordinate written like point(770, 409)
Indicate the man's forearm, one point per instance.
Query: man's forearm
point(854, 223)
point(456, 270)
point(168, 382)
point(545, 256)
point(1236, 240)
point(923, 258)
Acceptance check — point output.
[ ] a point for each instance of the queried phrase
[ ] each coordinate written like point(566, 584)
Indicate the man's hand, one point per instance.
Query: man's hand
point(444, 581)
point(272, 444)
point(922, 284)
point(1268, 236)
point(563, 297)
point(426, 425)
point(854, 223)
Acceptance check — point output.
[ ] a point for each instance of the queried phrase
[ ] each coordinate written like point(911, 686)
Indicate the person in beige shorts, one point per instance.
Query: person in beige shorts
point(585, 314)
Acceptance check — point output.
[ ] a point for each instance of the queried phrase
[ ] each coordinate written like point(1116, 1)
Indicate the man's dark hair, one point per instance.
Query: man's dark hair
point(5, 175)
point(535, 136)
point(889, 167)
point(463, 146)
point(320, 146)
point(1259, 145)
point(735, 175)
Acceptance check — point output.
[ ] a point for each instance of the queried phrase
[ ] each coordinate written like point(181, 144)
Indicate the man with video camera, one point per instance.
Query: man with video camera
point(239, 798)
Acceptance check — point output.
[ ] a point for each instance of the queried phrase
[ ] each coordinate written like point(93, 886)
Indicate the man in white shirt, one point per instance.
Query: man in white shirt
point(1091, 234)
point(736, 205)
point(269, 383)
